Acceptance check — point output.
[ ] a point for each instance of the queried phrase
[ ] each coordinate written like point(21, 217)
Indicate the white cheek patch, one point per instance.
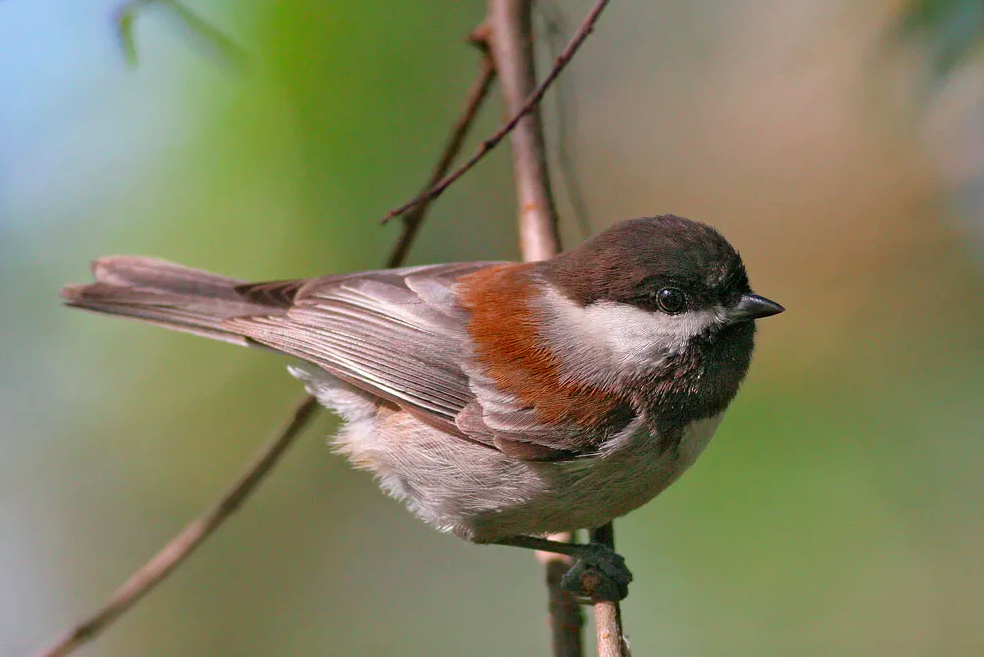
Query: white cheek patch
point(633, 331)
point(606, 339)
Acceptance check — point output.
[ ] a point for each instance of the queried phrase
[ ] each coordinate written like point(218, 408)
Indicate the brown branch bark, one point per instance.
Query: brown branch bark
point(565, 615)
point(608, 615)
point(193, 535)
point(511, 39)
point(528, 106)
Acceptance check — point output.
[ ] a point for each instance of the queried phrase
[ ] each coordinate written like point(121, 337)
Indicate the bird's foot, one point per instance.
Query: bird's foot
point(598, 574)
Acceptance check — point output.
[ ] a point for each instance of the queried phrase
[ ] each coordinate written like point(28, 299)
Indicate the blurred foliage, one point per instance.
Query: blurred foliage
point(200, 30)
point(950, 28)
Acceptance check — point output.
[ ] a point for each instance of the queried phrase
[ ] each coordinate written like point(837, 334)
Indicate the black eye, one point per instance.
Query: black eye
point(671, 300)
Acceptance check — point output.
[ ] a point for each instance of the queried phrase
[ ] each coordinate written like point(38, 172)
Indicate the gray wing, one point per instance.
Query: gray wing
point(397, 333)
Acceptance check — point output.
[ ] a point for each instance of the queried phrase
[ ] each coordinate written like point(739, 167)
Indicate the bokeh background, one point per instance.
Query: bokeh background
point(839, 144)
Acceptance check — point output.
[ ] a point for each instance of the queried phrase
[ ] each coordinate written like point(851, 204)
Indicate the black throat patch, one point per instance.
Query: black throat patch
point(699, 383)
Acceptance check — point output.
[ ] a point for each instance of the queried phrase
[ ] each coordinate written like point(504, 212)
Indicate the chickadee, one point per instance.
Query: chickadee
point(500, 401)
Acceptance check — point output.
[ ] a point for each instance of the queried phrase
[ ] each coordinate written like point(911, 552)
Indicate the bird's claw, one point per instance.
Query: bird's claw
point(598, 574)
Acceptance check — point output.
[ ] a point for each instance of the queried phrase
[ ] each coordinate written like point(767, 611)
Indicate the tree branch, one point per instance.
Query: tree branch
point(553, 19)
point(531, 103)
point(511, 40)
point(510, 24)
point(193, 535)
point(207, 35)
point(608, 615)
point(565, 615)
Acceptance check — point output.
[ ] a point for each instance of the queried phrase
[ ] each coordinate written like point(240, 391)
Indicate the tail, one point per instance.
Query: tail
point(172, 296)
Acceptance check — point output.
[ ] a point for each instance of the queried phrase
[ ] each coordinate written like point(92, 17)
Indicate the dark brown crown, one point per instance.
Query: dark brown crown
point(631, 261)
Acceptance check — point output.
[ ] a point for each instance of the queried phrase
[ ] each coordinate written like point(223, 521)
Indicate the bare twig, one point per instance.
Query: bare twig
point(566, 617)
point(476, 95)
point(608, 615)
point(511, 40)
point(566, 118)
point(531, 103)
point(193, 535)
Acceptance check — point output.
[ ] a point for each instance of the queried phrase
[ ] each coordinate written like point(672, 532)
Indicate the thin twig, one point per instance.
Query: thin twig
point(608, 615)
point(566, 119)
point(511, 39)
point(566, 617)
point(476, 96)
point(192, 536)
point(531, 103)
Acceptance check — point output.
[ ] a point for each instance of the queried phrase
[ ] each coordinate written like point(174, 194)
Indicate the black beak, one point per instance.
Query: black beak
point(752, 306)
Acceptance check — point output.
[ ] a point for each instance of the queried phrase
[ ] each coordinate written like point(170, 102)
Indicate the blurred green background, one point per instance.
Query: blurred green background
point(840, 145)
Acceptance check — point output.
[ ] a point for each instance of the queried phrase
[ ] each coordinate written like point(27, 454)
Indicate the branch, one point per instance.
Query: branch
point(531, 103)
point(193, 535)
point(608, 615)
point(554, 21)
point(511, 24)
point(511, 40)
point(476, 96)
point(566, 618)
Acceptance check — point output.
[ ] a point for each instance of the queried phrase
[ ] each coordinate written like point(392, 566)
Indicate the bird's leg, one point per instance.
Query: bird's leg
point(599, 573)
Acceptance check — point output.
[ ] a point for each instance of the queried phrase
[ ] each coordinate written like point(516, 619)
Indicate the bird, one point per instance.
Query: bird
point(501, 401)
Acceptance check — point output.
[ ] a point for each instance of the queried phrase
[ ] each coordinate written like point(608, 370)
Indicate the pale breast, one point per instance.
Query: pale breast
point(638, 470)
point(482, 494)
point(590, 491)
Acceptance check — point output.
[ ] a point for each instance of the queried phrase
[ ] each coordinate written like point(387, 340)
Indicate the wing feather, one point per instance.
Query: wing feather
point(397, 333)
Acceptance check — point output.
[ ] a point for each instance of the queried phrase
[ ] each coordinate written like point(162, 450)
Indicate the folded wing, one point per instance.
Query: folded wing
point(396, 333)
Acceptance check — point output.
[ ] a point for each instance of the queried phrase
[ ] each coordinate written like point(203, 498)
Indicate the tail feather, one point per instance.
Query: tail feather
point(166, 294)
